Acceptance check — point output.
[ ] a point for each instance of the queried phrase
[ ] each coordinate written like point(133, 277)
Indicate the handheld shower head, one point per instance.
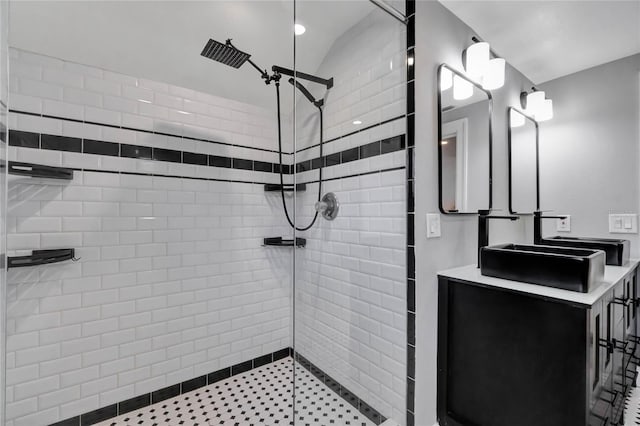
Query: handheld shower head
point(226, 53)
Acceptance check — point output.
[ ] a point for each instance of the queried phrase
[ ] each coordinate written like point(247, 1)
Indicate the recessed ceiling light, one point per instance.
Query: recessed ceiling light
point(299, 29)
point(357, 122)
point(183, 112)
point(145, 101)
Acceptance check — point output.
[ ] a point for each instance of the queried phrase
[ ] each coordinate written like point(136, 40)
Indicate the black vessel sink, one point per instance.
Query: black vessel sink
point(560, 267)
point(617, 251)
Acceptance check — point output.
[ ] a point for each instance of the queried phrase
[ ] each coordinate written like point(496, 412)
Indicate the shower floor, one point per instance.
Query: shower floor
point(261, 396)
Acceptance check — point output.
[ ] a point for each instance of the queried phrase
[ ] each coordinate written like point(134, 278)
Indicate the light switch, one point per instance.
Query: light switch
point(564, 225)
point(623, 223)
point(433, 225)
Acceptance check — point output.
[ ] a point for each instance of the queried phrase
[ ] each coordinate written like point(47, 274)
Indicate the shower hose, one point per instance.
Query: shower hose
point(284, 204)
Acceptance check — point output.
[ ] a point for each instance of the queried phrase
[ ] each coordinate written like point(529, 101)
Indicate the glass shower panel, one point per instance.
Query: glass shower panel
point(350, 310)
point(183, 277)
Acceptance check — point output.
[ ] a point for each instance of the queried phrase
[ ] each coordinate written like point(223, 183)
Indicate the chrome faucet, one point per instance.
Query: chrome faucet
point(483, 228)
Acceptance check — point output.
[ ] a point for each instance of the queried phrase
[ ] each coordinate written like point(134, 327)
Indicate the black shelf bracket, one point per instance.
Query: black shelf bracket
point(280, 242)
point(42, 257)
point(270, 187)
point(39, 171)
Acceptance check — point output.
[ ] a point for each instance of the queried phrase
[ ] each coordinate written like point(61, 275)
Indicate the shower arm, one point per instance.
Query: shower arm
point(304, 76)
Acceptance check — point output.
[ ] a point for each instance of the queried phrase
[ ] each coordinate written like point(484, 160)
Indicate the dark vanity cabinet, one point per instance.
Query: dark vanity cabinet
point(515, 358)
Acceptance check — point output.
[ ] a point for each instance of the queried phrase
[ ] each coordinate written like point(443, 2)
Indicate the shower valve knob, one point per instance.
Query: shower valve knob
point(328, 206)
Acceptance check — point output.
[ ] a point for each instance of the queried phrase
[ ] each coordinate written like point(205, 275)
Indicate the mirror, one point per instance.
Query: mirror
point(524, 194)
point(464, 143)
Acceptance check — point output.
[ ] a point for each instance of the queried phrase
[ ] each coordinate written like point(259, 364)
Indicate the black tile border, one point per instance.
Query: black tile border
point(365, 409)
point(151, 132)
point(45, 141)
point(144, 400)
point(410, 9)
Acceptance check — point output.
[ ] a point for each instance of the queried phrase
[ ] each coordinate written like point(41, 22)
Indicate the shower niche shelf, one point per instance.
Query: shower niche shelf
point(39, 171)
point(283, 242)
point(270, 187)
point(41, 257)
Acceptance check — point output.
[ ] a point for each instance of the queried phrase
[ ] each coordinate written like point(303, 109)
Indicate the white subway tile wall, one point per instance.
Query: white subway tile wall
point(172, 283)
point(351, 306)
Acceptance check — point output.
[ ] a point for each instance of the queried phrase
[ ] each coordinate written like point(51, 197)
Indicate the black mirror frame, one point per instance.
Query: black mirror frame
point(509, 152)
point(490, 98)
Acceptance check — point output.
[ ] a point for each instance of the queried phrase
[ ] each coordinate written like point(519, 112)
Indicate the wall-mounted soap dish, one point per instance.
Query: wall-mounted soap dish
point(39, 171)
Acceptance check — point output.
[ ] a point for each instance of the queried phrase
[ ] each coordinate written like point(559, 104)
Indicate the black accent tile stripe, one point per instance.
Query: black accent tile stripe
point(97, 147)
point(346, 135)
point(147, 399)
point(141, 401)
point(165, 393)
point(365, 409)
point(74, 421)
point(410, 9)
point(239, 163)
point(113, 126)
point(197, 159)
point(24, 139)
point(189, 385)
point(100, 148)
point(170, 155)
point(217, 161)
point(136, 151)
point(99, 415)
point(60, 143)
point(134, 403)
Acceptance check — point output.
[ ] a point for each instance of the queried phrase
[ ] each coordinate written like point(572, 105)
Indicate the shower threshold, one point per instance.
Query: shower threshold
point(262, 396)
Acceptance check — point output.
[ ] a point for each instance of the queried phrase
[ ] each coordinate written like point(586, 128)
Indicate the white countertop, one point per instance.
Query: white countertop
point(612, 275)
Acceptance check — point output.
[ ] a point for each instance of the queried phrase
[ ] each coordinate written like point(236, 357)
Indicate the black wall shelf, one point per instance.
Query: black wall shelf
point(269, 187)
point(280, 242)
point(39, 171)
point(41, 257)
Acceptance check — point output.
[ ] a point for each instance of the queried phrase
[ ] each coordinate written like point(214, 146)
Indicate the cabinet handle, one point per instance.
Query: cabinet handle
point(615, 396)
point(604, 343)
point(620, 345)
point(622, 301)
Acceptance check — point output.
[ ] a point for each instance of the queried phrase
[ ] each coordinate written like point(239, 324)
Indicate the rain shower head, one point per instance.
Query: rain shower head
point(224, 53)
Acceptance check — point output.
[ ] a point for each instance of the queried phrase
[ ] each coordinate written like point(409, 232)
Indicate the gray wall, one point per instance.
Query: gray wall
point(589, 167)
point(589, 151)
point(441, 37)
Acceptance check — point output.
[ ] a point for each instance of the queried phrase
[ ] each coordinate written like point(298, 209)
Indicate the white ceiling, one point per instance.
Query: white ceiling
point(162, 40)
point(549, 39)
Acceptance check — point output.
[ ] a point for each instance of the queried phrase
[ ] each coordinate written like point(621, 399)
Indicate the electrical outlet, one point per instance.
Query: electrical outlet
point(433, 225)
point(564, 225)
point(623, 223)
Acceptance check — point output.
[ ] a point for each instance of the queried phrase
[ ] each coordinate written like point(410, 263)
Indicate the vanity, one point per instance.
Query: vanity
point(513, 353)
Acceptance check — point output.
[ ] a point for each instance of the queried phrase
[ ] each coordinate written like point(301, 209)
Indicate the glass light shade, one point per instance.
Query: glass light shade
point(446, 79)
point(493, 77)
point(545, 112)
point(534, 102)
point(477, 60)
point(462, 89)
point(516, 119)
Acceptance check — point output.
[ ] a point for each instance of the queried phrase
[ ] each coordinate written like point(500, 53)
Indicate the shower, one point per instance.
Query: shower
point(228, 54)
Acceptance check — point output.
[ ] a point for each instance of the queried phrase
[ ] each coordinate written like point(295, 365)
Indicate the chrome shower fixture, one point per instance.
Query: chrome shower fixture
point(328, 206)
